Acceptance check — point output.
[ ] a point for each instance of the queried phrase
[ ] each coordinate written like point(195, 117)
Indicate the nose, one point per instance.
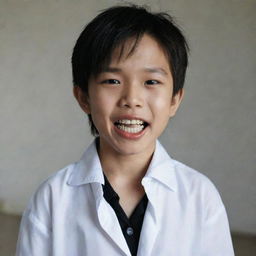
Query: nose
point(131, 97)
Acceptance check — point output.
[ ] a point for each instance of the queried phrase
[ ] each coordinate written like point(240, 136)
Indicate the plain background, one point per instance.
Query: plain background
point(42, 128)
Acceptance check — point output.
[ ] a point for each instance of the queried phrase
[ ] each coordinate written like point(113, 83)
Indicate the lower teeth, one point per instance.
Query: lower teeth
point(136, 129)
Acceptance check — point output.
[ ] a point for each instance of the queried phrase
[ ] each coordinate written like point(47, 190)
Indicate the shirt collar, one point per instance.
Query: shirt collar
point(89, 170)
point(162, 168)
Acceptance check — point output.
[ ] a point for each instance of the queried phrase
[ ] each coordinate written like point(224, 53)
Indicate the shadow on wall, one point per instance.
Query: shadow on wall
point(245, 245)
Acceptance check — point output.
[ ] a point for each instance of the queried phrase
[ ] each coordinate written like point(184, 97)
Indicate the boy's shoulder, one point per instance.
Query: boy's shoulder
point(59, 177)
point(185, 172)
point(191, 176)
point(54, 183)
point(194, 184)
point(74, 174)
point(184, 175)
point(40, 206)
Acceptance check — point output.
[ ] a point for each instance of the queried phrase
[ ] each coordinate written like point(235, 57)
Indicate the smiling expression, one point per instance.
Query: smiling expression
point(131, 100)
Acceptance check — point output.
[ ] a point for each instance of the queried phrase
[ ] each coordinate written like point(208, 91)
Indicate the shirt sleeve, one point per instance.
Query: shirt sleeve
point(34, 238)
point(216, 237)
point(35, 235)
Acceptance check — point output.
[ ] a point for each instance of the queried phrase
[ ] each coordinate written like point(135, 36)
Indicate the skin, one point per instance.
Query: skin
point(139, 85)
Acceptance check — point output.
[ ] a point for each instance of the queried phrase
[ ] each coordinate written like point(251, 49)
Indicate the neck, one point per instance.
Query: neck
point(119, 168)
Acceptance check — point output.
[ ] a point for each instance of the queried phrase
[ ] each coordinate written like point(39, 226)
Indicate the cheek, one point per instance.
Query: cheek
point(102, 107)
point(160, 103)
point(160, 107)
point(100, 99)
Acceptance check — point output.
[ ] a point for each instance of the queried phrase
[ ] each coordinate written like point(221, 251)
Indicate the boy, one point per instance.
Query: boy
point(126, 196)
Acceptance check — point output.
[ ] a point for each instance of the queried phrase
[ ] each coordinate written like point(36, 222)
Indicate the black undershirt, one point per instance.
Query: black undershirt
point(131, 227)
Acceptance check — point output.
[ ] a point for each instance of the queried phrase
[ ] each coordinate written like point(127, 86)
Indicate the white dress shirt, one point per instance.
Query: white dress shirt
point(68, 215)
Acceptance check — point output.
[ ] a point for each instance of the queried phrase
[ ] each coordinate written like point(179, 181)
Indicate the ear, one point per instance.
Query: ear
point(82, 99)
point(175, 102)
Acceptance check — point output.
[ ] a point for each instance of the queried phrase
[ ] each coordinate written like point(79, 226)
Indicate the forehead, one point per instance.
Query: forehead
point(134, 46)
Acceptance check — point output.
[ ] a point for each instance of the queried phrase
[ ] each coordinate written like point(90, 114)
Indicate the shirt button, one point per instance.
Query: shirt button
point(129, 231)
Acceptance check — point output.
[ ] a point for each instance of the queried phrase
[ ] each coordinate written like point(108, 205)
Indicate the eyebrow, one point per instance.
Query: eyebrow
point(149, 70)
point(156, 70)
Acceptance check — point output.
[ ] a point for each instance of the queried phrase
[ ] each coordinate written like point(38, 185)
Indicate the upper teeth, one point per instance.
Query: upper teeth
point(127, 121)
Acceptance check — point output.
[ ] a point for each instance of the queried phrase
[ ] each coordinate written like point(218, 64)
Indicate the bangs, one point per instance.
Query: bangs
point(122, 50)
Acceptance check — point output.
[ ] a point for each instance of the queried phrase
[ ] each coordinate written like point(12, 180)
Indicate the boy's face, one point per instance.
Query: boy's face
point(138, 87)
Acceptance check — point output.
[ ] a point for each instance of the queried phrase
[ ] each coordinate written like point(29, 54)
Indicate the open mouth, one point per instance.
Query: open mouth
point(131, 126)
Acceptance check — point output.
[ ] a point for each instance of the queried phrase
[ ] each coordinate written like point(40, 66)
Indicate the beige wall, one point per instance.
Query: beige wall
point(42, 128)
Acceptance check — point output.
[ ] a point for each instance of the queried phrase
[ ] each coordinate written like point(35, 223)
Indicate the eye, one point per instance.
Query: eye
point(110, 81)
point(152, 82)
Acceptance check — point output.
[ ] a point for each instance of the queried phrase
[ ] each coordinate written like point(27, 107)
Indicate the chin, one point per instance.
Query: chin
point(132, 148)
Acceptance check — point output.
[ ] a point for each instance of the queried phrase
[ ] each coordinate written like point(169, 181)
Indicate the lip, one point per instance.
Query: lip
point(130, 136)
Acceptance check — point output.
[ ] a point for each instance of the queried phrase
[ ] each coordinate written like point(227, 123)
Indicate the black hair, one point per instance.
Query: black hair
point(112, 28)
